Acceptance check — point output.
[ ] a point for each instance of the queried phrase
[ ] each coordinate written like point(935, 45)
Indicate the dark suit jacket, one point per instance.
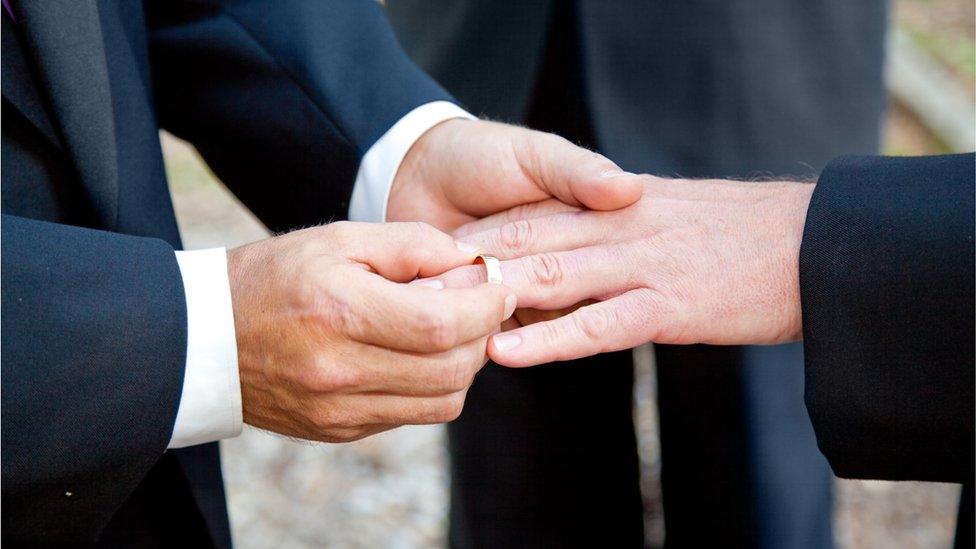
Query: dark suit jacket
point(709, 88)
point(282, 98)
point(886, 281)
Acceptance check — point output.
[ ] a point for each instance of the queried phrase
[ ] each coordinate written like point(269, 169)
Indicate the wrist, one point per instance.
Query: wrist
point(240, 261)
point(794, 212)
point(237, 267)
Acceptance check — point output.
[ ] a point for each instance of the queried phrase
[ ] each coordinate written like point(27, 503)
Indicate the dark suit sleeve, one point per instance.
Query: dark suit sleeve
point(104, 315)
point(886, 281)
point(282, 97)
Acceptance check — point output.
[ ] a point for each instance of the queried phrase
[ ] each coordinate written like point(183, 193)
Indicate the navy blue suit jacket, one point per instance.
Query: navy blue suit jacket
point(887, 289)
point(282, 98)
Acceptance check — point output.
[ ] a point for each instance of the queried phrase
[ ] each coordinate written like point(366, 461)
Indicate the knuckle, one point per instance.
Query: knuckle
point(546, 269)
point(304, 297)
point(455, 408)
point(599, 159)
point(316, 378)
point(420, 254)
point(462, 372)
point(347, 434)
point(451, 409)
point(423, 231)
point(342, 230)
point(304, 250)
point(659, 313)
point(516, 235)
point(325, 419)
point(594, 324)
point(439, 332)
point(333, 379)
point(337, 314)
point(325, 376)
point(522, 211)
point(425, 241)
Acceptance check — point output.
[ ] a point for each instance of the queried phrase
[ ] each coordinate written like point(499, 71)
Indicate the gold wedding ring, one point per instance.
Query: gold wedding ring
point(493, 267)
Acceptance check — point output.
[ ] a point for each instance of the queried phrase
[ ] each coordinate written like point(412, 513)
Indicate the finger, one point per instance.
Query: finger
point(402, 251)
point(412, 317)
point(525, 211)
point(619, 323)
point(575, 175)
point(326, 433)
point(555, 280)
point(364, 410)
point(561, 231)
point(524, 317)
point(351, 417)
point(382, 370)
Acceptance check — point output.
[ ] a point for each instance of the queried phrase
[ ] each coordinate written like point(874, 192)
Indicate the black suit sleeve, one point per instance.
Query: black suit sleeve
point(886, 281)
point(104, 315)
point(282, 97)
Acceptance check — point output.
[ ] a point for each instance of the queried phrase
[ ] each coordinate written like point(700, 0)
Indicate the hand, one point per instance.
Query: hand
point(461, 170)
point(692, 262)
point(333, 347)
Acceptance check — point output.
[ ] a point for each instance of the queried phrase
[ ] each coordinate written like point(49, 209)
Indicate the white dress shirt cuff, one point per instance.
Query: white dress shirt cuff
point(380, 163)
point(210, 407)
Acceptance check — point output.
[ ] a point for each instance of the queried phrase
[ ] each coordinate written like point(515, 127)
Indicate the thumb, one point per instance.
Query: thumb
point(403, 251)
point(578, 176)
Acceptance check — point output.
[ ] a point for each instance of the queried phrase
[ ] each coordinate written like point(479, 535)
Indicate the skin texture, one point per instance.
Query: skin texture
point(333, 346)
point(707, 261)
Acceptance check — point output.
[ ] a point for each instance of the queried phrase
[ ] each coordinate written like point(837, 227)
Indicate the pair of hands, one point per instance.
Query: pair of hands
point(334, 344)
point(350, 329)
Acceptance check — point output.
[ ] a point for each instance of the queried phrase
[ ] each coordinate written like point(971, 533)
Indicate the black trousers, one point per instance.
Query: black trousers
point(547, 457)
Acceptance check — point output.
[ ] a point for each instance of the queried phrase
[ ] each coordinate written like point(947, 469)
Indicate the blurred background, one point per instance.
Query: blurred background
point(391, 490)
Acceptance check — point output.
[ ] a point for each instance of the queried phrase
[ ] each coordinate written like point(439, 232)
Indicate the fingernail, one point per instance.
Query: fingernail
point(510, 302)
point(465, 247)
point(430, 283)
point(506, 341)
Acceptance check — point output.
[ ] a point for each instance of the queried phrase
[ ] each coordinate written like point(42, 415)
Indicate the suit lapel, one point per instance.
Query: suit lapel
point(65, 39)
point(18, 83)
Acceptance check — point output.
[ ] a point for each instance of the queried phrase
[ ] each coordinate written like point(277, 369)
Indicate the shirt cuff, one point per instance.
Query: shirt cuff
point(210, 407)
point(371, 191)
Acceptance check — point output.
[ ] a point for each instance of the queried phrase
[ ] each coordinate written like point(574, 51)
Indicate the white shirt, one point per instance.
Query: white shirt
point(210, 406)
